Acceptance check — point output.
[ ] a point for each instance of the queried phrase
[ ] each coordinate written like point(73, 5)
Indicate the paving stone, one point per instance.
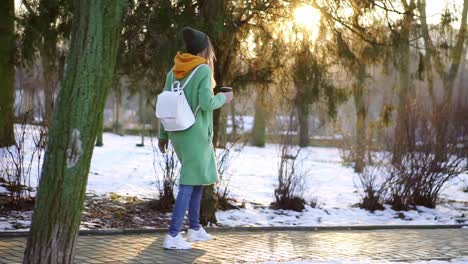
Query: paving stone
point(254, 247)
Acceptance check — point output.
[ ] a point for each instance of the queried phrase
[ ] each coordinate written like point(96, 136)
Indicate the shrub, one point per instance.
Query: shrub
point(434, 153)
point(371, 187)
point(289, 191)
point(224, 158)
point(167, 169)
point(432, 158)
point(18, 161)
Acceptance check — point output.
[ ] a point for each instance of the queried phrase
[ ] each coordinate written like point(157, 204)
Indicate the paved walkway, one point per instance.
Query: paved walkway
point(260, 246)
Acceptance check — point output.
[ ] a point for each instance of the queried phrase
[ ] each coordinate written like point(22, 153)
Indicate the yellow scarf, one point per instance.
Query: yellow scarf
point(184, 63)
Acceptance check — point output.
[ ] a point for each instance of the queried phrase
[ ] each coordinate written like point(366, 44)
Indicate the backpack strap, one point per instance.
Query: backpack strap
point(176, 84)
point(178, 87)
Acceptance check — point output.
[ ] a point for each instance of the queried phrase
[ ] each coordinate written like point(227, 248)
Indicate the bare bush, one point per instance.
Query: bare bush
point(167, 168)
point(18, 161)
point(433, 157)
point(290, 188)
point(434, 154)
point(224, 158)
point(371, 186)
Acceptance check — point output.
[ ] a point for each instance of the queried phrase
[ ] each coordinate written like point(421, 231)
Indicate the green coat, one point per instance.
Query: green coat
point(194, 146)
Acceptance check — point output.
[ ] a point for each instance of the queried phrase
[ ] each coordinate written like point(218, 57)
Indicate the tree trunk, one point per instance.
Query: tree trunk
point(208, 207)
point(462, 88)
point(233, 121)
point(100, 131)
point(28, 104)
point(360, 133)
point(7, 72)
point(49, 53)
point(213, 13)
point(222, 127)
point(141, 117)
point(303, 118)
point(404, 89)
point(259, 127)
point(116, 127)
point(80, 103)
point(50, 84)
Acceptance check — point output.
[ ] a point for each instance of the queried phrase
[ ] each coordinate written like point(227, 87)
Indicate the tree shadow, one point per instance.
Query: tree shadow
point(154, 253)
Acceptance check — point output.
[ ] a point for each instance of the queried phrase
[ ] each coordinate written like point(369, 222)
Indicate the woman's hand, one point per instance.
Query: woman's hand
point(162, 144)
point(229, 96)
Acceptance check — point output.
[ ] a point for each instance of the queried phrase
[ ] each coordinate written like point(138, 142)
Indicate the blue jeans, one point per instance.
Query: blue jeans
point(188, 197)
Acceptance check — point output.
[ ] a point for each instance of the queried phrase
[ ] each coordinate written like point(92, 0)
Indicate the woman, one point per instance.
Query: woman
point(193, 146)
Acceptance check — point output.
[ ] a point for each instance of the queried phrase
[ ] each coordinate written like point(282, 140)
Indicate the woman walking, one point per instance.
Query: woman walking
point(193, 146)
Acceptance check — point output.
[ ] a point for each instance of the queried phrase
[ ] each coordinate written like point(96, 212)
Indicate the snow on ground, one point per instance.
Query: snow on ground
point(125, 169)
point(16, 221)
point(346, 261)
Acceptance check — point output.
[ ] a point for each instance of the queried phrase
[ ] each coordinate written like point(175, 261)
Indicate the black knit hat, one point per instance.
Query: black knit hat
point(195, 41)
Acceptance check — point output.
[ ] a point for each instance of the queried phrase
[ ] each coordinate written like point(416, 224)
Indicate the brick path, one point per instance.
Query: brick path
point(260, 246)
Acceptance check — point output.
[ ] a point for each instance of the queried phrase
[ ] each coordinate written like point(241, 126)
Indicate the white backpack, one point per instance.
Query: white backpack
point(172, 108)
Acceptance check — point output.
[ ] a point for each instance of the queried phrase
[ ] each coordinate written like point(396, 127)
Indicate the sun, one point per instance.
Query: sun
point(307, 16)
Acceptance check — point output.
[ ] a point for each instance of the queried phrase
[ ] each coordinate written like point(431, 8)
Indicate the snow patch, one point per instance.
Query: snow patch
point(74, 153)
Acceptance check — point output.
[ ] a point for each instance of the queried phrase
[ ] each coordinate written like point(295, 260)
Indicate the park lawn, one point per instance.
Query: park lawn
point(123, 176)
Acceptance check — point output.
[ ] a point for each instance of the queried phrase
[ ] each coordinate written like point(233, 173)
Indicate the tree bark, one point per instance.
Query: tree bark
point(80, 103)
point(49, 53)
point(404, 91)
point(209, 204)
point(361, 129)
point(7, 72)
point(462, 89)
point(50, 84)
point(222, 127)
point(116, 126)
point(233, 120)
point(303, 119)
point(432, 56)
point(142, 116)
point(259, 127)
point(100, 131)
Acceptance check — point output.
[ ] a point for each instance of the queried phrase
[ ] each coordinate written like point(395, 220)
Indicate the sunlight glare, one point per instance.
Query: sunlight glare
point(307, 16)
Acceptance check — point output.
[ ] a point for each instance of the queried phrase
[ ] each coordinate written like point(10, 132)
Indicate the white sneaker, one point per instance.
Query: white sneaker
point(177, 242)
point(198, 235)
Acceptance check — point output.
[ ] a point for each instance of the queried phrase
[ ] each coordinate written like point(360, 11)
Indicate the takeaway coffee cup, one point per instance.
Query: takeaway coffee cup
point(225, 89)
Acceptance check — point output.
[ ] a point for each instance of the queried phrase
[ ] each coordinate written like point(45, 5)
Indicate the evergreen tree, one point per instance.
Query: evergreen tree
point(45, 33)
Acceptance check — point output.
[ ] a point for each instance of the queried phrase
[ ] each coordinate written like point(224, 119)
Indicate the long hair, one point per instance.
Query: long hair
point(210, 57)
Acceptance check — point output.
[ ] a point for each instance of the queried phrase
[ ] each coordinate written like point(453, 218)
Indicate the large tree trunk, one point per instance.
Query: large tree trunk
point(303, 120)
point(90, 66)
point(28, 103)
point(49, 53)
point(209, 204)
point(50, 84)
point(433, 57)
point(259, 127)
point(213, 13)
point(142, 116)
point(7, 72)
point(404, 91)
point(462, 87)
point(222, 127)
point(233, 121)
point(117, 109)
point(100, 131)
point(361, 129)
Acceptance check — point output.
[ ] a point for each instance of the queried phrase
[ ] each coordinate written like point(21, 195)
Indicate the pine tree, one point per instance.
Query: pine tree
point(44, 28)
